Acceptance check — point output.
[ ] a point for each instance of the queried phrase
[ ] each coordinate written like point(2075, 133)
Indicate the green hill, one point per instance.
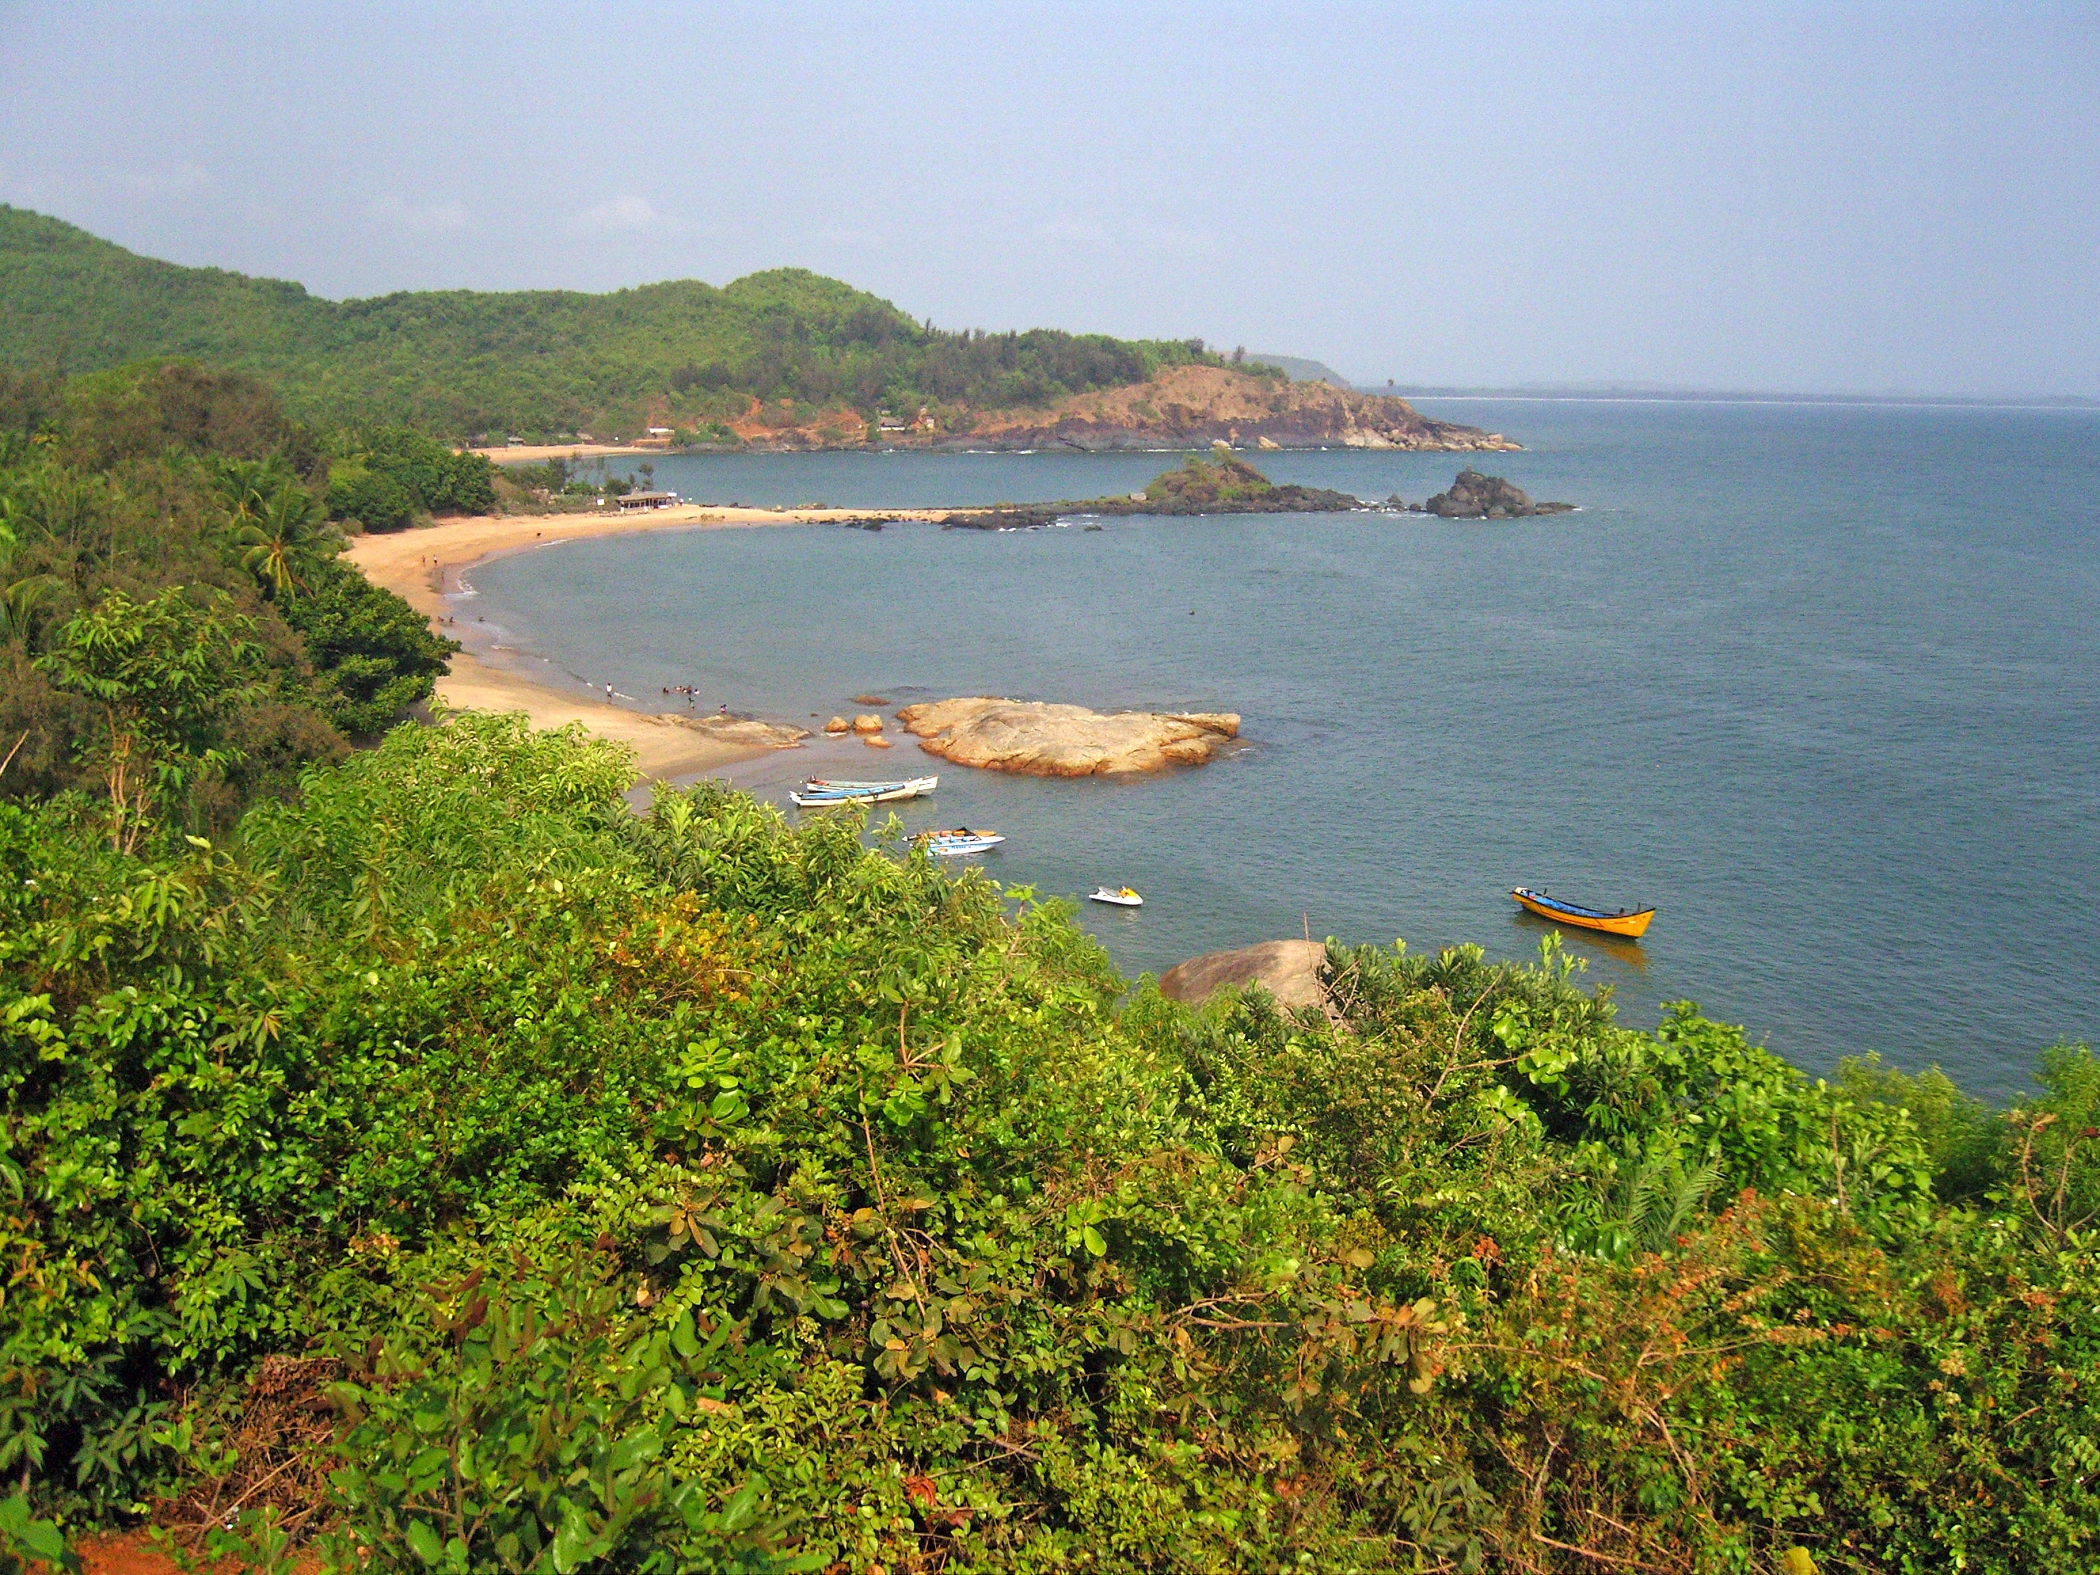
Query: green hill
point(534, 362)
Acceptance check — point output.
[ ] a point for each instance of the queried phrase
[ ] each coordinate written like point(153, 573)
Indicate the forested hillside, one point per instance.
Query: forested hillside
point(538, 363)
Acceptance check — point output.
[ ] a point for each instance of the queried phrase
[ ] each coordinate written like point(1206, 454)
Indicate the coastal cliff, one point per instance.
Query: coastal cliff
point(1208, 404)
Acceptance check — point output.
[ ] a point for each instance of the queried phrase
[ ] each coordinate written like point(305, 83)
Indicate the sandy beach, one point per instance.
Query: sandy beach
point(533, 453)
point(422, 566)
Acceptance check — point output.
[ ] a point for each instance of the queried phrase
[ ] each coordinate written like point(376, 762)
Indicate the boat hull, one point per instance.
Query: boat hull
point(961, 847)
point(1631, 925)
point(1117, 899)
point(871, 793)
point(840, 785)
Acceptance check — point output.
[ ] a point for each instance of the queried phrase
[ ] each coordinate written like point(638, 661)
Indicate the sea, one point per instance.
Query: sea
point(1819, 683)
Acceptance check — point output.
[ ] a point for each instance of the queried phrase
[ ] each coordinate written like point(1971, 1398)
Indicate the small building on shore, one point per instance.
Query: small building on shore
point(645, 500)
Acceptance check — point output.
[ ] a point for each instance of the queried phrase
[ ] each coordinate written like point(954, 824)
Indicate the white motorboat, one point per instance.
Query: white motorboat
point(1121, 897)
point(960, 841)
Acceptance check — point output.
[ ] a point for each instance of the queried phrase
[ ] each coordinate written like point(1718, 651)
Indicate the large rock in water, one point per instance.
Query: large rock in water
point(1042, 740)
point(1477, 497)
point(1288, 970)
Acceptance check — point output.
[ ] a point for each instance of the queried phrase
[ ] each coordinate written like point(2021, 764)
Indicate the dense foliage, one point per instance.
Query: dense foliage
point(388, 476)
point(538, 363)
point(160, 532)
point(691, 1192)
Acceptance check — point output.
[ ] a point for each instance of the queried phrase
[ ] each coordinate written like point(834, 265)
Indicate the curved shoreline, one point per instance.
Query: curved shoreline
point(424, 566)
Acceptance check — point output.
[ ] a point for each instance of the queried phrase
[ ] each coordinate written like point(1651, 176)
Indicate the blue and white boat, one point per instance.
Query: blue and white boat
point(818, 792)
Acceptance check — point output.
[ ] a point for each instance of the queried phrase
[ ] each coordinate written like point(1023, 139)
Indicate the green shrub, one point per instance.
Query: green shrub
point(374, 499)
point(373, 654)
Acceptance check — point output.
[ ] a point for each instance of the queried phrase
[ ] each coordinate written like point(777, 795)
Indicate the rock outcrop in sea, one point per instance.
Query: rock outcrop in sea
point(1222, 484)
point(1035, 738)
point(1477, 497)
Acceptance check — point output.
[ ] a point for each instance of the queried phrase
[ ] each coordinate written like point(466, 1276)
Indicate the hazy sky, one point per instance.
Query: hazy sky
point(1856, 198)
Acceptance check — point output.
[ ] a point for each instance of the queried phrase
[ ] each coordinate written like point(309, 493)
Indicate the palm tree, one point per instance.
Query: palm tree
point(285, 526)
point(248, 485)
point(19, 599)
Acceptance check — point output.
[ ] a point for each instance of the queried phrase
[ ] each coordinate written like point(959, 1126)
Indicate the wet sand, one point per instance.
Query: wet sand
point(422, 566)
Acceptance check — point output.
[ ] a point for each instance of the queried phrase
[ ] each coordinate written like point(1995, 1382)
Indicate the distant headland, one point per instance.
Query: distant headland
point(775, 361)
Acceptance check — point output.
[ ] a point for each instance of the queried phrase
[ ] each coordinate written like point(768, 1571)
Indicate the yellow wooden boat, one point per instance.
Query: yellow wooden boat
point(1631, 923)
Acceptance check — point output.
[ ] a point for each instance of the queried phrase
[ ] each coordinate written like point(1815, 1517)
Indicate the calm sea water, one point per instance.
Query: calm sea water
point(1822, 684)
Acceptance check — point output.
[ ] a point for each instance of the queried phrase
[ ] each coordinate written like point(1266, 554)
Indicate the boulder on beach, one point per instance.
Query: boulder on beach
point(838, 724)
point(740, 730)
point(867, 722)
point(1477, 497)
point(1288, 970)
point(1034, 738)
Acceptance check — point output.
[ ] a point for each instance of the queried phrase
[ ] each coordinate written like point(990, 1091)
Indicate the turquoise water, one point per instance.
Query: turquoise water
point(1820, 683)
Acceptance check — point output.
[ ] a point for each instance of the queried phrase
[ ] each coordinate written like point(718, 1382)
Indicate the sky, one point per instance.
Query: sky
point(1818, 198)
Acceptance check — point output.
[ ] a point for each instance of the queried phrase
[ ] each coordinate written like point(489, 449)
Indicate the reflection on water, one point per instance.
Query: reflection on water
point(1599, 952)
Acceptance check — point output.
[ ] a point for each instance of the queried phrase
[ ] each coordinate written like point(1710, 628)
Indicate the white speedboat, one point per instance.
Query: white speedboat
point(816, 793)
point(1121, 897)
point(959, 842)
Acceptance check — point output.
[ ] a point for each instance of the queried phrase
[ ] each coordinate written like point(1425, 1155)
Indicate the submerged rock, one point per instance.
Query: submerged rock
point(1288, 970)
point(1477, 497)
point(1003, 517)
point(1034, 738)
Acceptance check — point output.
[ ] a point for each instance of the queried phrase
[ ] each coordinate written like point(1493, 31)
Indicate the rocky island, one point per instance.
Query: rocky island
point(1477, 497)
point(1032, 738)
point(1222, 484)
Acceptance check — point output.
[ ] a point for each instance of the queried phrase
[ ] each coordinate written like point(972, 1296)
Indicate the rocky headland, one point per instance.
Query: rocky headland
point(1178, 406)
point(1477, 497)
point(1206, 404)
point(1035, 738)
